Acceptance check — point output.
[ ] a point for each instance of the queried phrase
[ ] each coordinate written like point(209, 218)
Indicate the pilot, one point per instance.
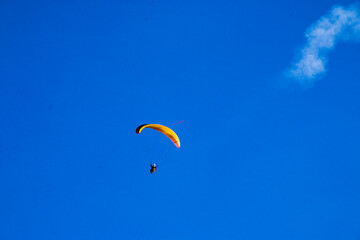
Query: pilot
point(153, 168)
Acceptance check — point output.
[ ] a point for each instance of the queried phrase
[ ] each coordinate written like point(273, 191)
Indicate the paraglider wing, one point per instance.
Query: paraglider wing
point(163, 129)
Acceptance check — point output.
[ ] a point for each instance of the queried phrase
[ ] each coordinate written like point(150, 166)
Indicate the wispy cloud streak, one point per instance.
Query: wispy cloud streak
point(341, 24)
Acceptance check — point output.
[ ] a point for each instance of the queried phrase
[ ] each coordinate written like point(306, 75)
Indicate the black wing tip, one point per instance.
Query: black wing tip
point(139, 127)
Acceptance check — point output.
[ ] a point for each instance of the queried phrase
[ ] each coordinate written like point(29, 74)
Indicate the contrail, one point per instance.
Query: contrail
point(341, 24)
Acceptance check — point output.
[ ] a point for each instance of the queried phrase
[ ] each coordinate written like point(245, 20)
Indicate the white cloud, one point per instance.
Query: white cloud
point(341, 24)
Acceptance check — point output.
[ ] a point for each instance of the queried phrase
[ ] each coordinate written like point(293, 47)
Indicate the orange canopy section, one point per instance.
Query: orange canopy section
point(163, 129)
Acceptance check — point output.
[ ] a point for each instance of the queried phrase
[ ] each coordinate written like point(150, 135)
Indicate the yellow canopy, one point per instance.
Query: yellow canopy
point(163, 129)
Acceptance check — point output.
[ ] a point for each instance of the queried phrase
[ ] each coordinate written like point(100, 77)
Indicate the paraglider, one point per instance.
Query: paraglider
point(166, 131)
point(163, 129)
point(153, 168)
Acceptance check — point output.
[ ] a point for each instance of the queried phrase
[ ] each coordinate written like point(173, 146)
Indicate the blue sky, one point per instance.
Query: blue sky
point(263, 156)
